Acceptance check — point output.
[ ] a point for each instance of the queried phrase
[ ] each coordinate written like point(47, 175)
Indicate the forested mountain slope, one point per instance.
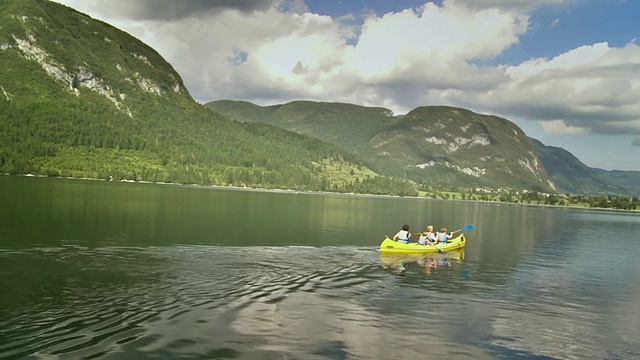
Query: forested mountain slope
point(81, 98)
point(628, 180)
point(435, 146)
point(571, 175)
point(350, 126)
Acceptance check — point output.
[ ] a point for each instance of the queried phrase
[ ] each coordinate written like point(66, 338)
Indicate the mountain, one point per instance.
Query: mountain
point(628, 180)
point(80, 98)
point(435, 146)
point(458, 147)
point(350, 126)
point(572, 176)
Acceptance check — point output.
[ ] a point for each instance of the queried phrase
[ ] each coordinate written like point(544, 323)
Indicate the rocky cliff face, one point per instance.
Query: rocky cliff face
point(445, 144)
point(113, 64)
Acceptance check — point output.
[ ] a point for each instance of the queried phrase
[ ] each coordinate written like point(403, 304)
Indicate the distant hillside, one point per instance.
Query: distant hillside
point(629, 180)
point(572, 176)
point(80, 98)
point(434, 146)
point(439, 147)
point(350, 126)
point(238, 110)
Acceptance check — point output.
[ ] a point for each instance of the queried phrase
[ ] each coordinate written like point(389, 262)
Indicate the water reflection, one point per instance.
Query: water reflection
point(423, 263)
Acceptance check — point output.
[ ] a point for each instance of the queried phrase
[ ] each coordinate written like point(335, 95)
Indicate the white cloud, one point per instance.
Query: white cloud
point(170, 9)
point(423, 54)
point(434, 36)
point(560, 127)
point(569, 60)
point(594, 88)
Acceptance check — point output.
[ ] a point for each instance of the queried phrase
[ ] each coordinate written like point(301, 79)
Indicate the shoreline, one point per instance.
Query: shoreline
point(307, 192)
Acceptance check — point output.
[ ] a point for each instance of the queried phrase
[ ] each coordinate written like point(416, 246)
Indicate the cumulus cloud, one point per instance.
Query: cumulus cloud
point(593, 88)
point(274, 51)
point(171, 9)
point(278, 55)
point(560, 127)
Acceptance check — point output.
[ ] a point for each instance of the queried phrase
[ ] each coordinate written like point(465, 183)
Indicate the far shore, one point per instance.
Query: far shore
point(307, 192)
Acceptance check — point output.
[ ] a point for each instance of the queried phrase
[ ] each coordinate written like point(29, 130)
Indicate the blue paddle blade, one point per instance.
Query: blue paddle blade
point(467, 228)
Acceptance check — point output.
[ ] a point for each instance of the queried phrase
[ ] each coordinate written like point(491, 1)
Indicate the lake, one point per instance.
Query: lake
point(95, 269)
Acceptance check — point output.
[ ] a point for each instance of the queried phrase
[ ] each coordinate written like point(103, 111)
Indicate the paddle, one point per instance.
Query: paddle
point(466, 228)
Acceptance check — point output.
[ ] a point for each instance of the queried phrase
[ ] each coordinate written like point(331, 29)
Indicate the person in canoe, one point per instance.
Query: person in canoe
point(402, 235)
point(427, 237)
point(442, 236)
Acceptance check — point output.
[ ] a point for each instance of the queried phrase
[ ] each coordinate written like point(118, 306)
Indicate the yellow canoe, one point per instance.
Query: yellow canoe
point(390, 246)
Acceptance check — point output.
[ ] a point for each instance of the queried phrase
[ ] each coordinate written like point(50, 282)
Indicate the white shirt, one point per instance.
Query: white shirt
point(423, 238)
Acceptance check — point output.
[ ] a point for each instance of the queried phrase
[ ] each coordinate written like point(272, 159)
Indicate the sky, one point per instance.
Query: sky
point(565, 71)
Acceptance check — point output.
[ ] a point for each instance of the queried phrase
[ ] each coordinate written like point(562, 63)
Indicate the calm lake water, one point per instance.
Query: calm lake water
point(93, 269)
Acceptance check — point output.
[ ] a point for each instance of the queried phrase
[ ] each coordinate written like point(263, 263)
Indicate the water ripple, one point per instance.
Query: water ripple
point(330, 302)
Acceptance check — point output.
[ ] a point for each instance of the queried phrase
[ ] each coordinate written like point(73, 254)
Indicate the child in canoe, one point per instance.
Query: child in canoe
point(402, 235)
point(442, 236)
point(427, 237)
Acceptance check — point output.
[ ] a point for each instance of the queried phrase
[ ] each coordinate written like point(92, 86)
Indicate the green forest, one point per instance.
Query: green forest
point(52, 139)
point(536, 198)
